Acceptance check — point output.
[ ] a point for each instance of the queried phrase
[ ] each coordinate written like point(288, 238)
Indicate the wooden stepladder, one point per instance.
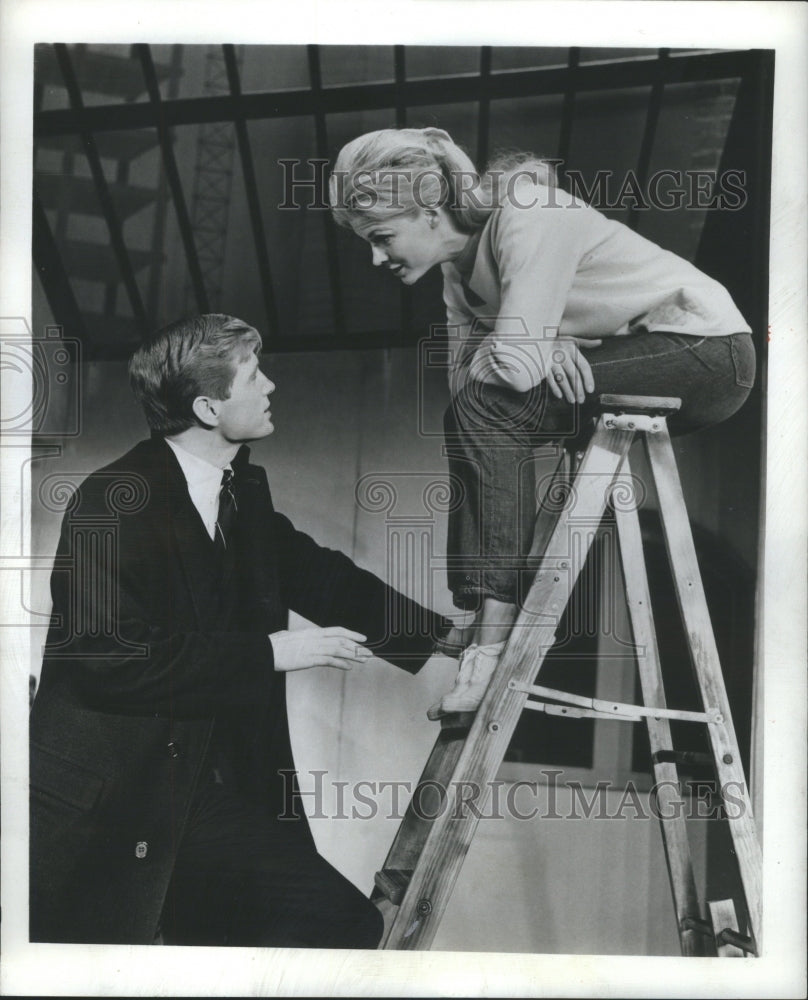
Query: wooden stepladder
point(425, 859)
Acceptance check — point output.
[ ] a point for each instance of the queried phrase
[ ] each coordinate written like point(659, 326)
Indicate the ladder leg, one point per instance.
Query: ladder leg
point(391, 881)
point(701, 641)
point(427, 800)
point(666, 778)
point(451, 833)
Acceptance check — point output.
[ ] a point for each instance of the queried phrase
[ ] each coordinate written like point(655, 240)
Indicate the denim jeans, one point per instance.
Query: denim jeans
point(491, 434)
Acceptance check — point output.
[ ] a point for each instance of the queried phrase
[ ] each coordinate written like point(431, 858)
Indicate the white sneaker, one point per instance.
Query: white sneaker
point(462, 681)
point(466, 697)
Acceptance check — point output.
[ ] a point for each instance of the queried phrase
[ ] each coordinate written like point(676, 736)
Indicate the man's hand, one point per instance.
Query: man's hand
point(318, 647)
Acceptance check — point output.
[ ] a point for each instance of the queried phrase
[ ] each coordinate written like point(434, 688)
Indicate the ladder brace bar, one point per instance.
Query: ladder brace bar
point(568, 712)
point(615, 709)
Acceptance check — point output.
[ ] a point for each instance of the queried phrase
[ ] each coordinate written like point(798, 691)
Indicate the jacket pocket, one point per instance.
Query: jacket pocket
point(55, 777)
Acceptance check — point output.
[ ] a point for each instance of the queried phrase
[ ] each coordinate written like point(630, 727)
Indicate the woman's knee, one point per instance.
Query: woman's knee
point(479, 407)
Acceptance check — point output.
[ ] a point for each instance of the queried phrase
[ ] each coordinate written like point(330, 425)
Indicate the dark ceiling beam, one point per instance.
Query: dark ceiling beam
point(173, 178)
point(700, 67)
point(253, 201)
point(55, 281)
point(102, 187)
point(649, 133)
point(568, 111)
point(363, 340)
point(321, 141)
point(484, 108)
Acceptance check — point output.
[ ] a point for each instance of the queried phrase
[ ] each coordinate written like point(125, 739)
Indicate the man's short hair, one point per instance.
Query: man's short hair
point(189, 358)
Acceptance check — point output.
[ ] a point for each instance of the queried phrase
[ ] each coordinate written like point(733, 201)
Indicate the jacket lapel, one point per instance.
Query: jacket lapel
point(193, 545)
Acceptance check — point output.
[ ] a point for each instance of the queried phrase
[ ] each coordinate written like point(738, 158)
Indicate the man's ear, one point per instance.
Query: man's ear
point(206, 410)
point(431, 217)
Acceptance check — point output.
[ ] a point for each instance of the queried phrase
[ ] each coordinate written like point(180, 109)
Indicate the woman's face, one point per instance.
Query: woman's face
point(409, 245)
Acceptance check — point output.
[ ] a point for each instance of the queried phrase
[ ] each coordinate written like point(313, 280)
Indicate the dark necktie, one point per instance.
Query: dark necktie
point(226, 518)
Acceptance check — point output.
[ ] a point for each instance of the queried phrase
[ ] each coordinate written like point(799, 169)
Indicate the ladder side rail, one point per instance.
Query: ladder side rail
point(704, 654)
point(438, 771)
point(666, 778)
point(451, 834)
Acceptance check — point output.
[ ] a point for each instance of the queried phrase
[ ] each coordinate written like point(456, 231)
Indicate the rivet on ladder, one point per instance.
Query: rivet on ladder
point(424, 907)
point(493, 727)
point(727, 758)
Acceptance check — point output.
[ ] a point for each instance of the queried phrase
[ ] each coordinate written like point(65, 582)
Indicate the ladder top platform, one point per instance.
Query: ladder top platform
point(640, 404)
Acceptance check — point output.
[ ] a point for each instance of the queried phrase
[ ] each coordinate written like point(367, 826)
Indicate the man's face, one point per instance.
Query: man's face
point(245, 415)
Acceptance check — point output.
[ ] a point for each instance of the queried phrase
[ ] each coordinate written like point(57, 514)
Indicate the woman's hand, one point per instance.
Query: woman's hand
point(521, 362)
point(566, 369)
point(318, 647)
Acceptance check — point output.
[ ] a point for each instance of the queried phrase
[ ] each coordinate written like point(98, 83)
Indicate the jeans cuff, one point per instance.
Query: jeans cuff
point(472, 597)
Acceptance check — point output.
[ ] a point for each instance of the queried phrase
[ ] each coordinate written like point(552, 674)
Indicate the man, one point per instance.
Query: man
point(159, 732)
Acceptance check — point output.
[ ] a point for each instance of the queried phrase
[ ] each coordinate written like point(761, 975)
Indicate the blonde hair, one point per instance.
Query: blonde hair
point(396, 171)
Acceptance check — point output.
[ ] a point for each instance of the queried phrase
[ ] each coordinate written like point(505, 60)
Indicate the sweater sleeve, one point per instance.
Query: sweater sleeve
point(537, 249)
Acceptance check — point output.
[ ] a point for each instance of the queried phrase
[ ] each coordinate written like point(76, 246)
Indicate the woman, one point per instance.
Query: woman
point(532, 278)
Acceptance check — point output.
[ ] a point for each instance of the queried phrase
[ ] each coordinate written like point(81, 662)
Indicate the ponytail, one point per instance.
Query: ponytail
point(399, 170)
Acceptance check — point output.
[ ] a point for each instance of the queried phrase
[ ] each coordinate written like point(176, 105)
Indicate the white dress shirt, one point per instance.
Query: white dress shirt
point(204, 483)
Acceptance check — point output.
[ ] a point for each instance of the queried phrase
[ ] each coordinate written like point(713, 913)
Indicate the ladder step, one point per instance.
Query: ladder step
point(392, 883)
point(640, 404)
point(457, 721)
point(691, 757)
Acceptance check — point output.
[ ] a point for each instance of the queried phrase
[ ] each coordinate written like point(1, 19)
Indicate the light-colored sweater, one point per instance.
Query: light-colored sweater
point(546, 264)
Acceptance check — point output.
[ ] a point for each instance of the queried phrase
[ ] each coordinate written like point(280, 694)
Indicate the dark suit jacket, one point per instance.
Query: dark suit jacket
point(138, 667)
